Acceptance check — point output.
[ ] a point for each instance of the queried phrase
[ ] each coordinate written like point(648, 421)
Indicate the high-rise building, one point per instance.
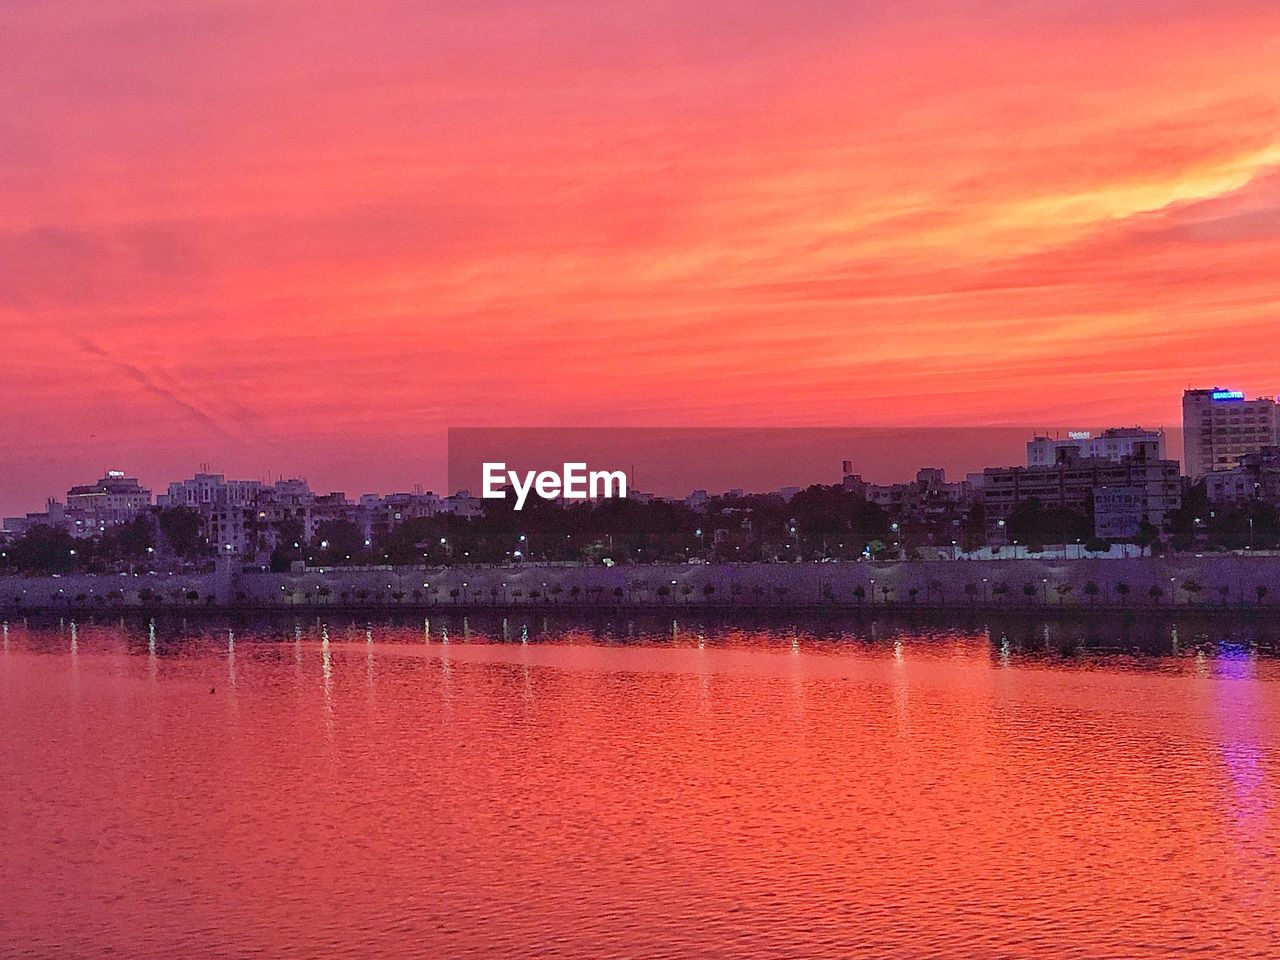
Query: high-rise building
point(1111, 444)
point(1220, 426)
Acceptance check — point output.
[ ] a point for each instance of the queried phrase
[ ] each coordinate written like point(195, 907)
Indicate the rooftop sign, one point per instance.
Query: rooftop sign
point(1228, 394)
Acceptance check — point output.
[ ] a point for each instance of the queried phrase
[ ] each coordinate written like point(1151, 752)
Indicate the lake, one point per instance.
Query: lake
point(580, 788)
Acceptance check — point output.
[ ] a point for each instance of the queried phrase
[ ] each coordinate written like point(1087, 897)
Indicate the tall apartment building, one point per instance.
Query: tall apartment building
point(1220, 426)
point(1111, 444)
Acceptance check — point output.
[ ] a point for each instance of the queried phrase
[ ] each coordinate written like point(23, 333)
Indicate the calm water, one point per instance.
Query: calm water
point(484, 789)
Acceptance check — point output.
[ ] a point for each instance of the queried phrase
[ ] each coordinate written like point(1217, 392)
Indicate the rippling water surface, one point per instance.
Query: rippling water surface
point(466, 789)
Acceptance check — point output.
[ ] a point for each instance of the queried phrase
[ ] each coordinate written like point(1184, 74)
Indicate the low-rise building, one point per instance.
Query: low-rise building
point(928, 495)
point(112, 500)
point(211, 489)
point(1255, 478)
point(1111, 444)
point(54, 515)
point(1072, 483)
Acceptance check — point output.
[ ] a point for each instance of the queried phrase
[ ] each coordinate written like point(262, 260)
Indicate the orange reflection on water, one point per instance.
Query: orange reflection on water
point(379, 791)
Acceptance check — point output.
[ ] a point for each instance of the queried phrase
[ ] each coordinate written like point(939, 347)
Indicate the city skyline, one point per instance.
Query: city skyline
point(891, 459)
point(970, 451)
point(915, 214)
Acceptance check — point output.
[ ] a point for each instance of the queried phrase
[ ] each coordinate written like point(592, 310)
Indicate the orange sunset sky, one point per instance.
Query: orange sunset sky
point(307, 237)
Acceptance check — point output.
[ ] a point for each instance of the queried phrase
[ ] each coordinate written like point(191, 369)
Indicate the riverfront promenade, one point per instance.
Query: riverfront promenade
point(1215, 582)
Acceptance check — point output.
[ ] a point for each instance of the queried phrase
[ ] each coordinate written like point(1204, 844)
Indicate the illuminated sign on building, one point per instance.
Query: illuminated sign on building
point(1079, 434)
point(1228, 394)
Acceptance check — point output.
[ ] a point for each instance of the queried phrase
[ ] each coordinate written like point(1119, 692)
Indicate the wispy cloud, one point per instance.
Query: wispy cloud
point(148, 383)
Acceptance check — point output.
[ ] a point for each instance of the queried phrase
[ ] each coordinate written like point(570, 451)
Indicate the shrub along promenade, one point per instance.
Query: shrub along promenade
point(1225, 583)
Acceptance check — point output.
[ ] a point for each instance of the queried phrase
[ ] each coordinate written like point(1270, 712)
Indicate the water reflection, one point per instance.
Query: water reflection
point(1119, 643)
point(641, 787)
point(326, 673)
point(152, 663)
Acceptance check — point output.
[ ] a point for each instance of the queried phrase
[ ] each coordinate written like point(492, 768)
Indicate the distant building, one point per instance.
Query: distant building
point(294, 492)
point(463, 504)
point(929, 494)
point(1255, 478)
point(697, 499)
point(379, 515)
point(113, 500)
point(1111, 444)
point(1073, 483)
point(209, 489)
point(1220, 426)
point(55, 515)
point(227, 529)
point(90, 508)
point(851, 481)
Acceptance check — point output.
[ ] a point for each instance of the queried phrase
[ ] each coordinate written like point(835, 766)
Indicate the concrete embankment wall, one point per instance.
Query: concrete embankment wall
point(935, 583)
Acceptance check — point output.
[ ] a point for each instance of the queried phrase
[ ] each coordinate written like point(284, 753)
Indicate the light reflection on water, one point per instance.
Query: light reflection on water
point(450, 787)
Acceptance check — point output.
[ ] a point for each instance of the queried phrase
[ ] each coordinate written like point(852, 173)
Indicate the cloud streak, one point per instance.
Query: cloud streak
point(149, 384)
